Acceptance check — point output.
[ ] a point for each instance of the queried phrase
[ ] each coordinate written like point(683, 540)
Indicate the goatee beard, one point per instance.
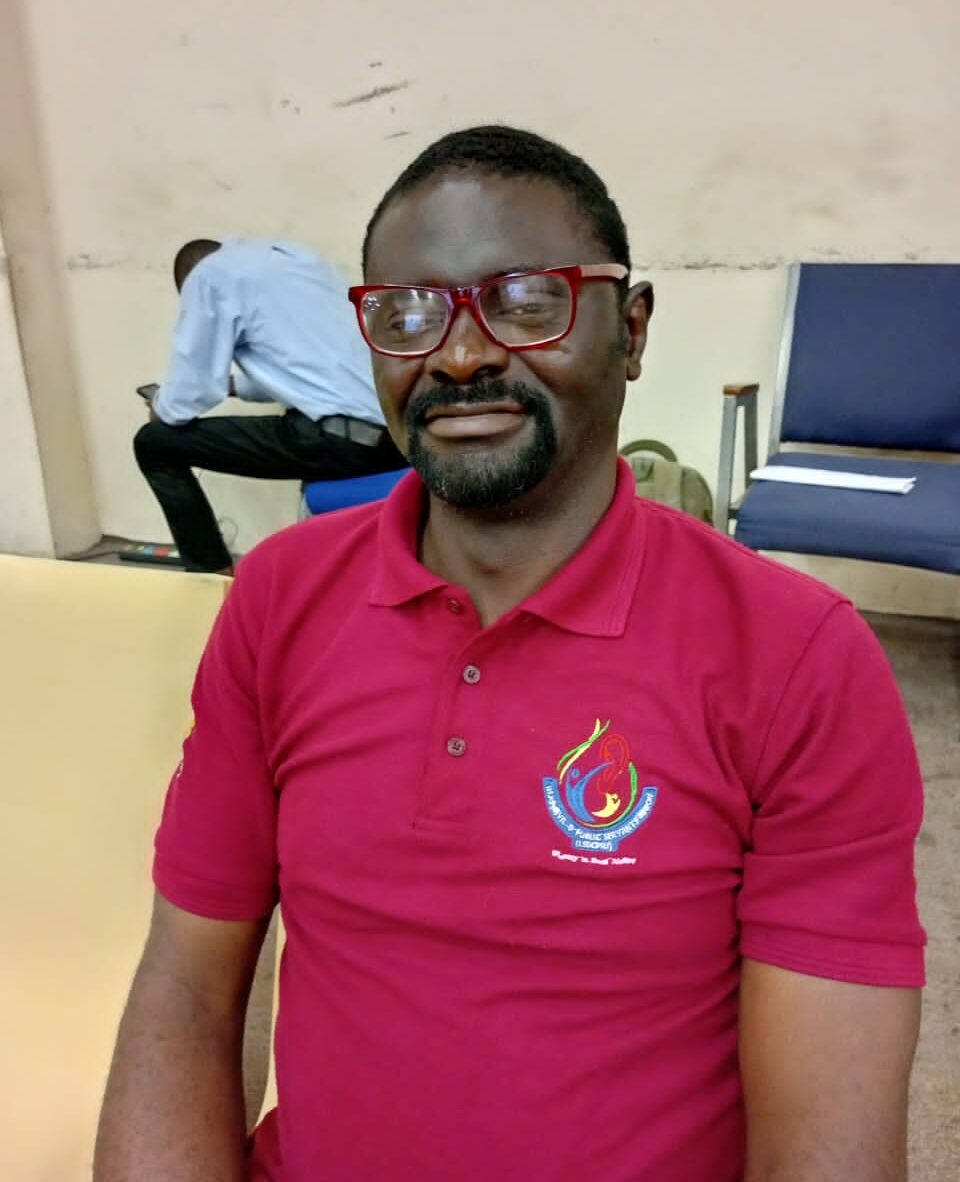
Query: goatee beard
point(481, 479)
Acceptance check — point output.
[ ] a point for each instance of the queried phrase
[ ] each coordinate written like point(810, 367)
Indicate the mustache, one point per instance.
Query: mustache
point(485, 390)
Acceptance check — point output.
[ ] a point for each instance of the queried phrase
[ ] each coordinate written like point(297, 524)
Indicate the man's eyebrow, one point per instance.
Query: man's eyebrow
point(520, 269)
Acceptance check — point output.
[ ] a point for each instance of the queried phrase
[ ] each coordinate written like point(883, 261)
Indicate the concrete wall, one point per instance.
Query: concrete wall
point(736, 138)
point(24, 522)
point(46, 414)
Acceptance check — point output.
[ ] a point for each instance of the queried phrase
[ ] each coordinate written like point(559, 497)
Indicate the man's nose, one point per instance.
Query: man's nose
point(467, 354)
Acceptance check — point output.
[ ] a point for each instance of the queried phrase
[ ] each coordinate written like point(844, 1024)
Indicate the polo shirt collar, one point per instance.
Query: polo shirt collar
point(590, 595)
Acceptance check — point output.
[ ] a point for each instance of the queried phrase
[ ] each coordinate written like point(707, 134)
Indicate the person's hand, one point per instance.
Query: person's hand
point(148, 393)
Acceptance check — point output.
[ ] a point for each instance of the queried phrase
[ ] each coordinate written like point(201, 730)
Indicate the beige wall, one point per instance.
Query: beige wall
point(24, 522)
point(736, 137)
point(33, 270)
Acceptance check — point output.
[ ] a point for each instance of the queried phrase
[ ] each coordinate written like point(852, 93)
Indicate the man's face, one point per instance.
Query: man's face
point(486, 426)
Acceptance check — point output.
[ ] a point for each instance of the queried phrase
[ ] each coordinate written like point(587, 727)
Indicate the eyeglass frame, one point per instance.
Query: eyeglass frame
point(459, 297)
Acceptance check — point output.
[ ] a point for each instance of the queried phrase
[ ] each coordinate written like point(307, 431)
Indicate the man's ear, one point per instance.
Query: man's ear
point(637, 310)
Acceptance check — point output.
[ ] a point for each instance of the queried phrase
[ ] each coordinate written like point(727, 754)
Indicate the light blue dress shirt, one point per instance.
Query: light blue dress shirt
point(282, 316)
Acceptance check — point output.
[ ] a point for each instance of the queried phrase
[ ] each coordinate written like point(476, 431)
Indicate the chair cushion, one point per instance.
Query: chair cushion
point(323, 496)
point(920, 528)
point(875, 357)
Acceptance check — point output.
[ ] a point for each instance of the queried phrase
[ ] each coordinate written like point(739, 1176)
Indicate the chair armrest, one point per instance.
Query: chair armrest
point(735, 396)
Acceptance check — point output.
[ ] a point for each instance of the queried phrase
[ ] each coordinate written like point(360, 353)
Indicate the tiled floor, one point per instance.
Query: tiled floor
point(925, 655)
point(926, 658)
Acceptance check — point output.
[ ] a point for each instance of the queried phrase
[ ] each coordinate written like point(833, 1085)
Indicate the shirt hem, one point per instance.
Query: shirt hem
point(855, 962)
point(208, 899)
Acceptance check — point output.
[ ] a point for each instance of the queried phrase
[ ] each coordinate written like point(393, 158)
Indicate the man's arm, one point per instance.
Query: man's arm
point(246, 389)
point(173, 1110)
point(825, 1067)
point(206, 333)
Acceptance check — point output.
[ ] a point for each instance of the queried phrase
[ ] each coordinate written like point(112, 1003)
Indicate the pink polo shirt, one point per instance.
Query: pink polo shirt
point(518, 865)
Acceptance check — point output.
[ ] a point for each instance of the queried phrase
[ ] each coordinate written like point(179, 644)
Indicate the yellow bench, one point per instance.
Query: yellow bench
point(96, 664)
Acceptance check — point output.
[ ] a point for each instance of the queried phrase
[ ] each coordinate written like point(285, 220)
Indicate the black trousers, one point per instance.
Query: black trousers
point(270, 447)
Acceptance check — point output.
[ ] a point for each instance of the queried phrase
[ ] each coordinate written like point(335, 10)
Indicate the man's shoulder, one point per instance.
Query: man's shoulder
point(263, 261)
point(717, 570)
point(747, 621)
point(316, 561)
point(240, 255)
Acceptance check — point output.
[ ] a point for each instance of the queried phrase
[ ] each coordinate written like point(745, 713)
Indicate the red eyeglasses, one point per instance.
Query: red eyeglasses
point(524, 311)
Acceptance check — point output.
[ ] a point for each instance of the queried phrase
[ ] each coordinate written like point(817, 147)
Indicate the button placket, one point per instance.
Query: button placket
point(444, 795)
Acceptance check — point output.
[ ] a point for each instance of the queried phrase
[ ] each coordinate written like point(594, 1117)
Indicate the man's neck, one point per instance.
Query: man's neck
point(502, 558)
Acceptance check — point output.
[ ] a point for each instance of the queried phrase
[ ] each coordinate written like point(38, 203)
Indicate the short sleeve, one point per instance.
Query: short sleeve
point(828, 883)
point(215, 850)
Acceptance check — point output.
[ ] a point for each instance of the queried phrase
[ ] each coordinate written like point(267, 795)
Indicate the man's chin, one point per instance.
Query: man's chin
point(479, 479)
point(486, 473)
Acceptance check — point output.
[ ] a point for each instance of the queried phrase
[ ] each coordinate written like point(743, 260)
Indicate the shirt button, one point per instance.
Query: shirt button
point(455, 606)
point(471, 675)
point(456, 746)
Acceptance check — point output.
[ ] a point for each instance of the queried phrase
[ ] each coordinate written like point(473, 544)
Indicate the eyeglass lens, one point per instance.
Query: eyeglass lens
point(518, 310)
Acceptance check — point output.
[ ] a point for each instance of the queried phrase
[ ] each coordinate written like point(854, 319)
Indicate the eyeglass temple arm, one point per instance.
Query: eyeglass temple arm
point(604, 271)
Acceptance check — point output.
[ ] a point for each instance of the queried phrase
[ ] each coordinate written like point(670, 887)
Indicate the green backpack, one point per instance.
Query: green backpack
point(660, 477)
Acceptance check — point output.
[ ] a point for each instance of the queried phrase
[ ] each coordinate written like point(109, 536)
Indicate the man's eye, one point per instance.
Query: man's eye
point(412, 323)
point(528, 309)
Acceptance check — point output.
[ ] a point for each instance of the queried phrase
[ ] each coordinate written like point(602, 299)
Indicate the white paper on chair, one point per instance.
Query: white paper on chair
point(831, 479)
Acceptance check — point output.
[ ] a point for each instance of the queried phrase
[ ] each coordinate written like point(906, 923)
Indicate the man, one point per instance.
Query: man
point(593, 831)
point(280, 314)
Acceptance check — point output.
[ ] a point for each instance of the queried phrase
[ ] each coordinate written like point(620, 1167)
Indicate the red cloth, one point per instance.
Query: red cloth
point(510, 955)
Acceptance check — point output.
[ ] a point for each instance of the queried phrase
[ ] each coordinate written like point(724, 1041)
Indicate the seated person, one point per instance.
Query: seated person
point(592, 830)
point(282, 316)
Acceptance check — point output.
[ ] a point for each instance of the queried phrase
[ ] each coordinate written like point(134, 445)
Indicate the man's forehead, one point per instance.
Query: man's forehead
point(459, 229)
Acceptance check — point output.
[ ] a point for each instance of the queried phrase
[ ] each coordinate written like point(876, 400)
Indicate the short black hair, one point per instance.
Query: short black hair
point(189, 255)
point(498, 150)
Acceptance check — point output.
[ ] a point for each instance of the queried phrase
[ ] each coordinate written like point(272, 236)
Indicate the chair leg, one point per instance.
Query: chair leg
point(728, 443)
point(303, 509)
point(749, 403)
point(734, 398)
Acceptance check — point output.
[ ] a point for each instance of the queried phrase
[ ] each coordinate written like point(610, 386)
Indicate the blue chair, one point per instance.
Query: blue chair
point(869, 369)
point(323, 496)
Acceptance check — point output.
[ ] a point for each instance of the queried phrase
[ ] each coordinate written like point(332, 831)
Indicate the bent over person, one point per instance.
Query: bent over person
point(592, 831)
point(279, 314)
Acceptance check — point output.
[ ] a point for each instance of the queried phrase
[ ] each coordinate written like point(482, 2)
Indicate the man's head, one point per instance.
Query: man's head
point(509, 152)
point(515, 392)
point(189, 255)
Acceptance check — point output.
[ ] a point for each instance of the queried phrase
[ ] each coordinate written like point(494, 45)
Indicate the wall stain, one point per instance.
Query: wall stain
point(370, 95)
point(395, 135)
point(374, 65)
point(715, 265)
point(92, 262)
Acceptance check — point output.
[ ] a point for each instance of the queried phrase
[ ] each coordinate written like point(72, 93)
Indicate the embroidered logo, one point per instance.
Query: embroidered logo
point(594, 797)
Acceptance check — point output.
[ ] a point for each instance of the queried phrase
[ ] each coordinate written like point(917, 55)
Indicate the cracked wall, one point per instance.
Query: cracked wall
point(736, 138)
